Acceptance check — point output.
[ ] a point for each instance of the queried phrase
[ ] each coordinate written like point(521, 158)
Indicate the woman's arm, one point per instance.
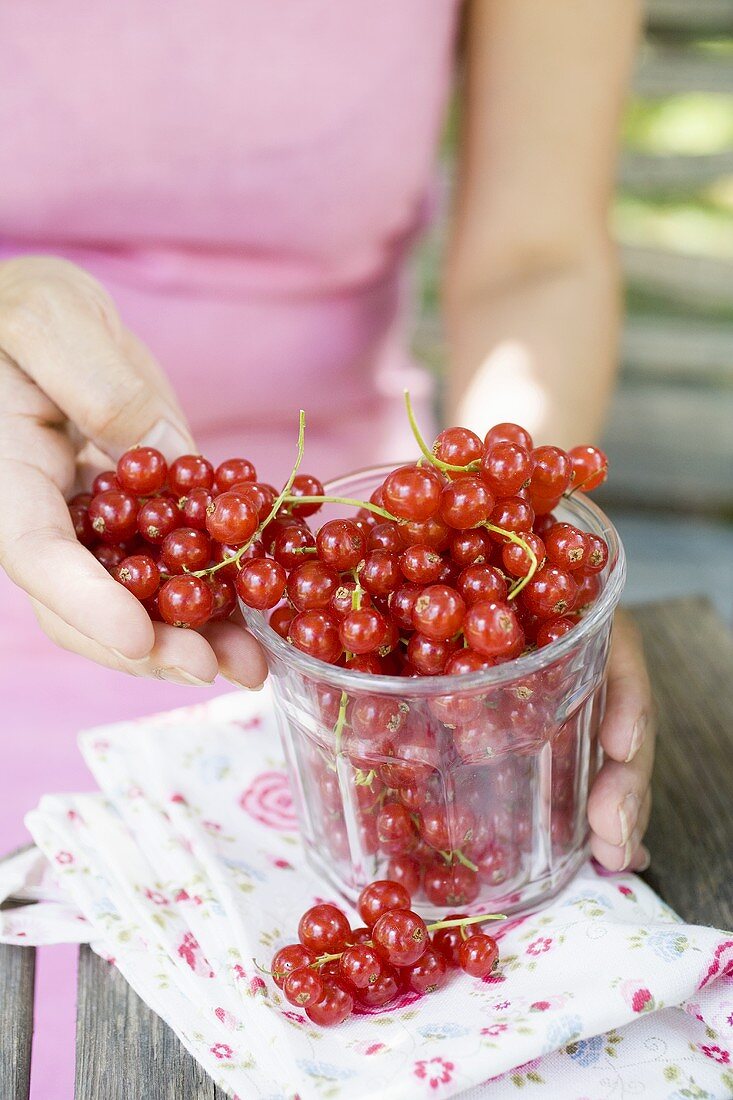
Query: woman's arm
point(531, 295)
point(530, 287)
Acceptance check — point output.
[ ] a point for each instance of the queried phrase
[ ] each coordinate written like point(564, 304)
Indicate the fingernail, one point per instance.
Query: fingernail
point(628, 812)
point(180, 676)
point(168, 439)
point(637, 737)
point(646, 860)
point(241, 684)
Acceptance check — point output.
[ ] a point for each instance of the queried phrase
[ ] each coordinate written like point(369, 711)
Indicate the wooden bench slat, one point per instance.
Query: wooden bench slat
point(678, 349)
point(691, 16)
point(17, 978)
point(123, 1050)
point(679, 71)
point(690, 655)
point(673, 174)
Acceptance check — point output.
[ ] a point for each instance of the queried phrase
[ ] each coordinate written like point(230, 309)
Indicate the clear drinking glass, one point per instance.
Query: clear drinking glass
point(493, 767)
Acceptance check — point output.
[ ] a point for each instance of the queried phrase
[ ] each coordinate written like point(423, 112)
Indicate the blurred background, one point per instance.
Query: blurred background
point(670, 434)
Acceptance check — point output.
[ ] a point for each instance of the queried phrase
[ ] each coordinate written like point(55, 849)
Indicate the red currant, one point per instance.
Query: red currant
point(232, 471)
point(305, 485)
point(157, 518)
point(288, 959)
point(360, 966)
point(566, 546)
point(506, 468)
point(421, 564)
point(340, 543)
point(478, 954)
point(481, 582)
point(303, 987)
point(551, 592)
point(190, 472)
point(465, 503)
point(400, 937)
point(438, 612)
point(231, 518)
point(185, 550)
point(311, 585)
point(457, 447)
point(590, 467)
point(516, 560)
point(333, 1007)
point(380, 897)
point(552, 629)
point(508, 433)
point(260, 583)
point(142, 471)
point(113, 515)
point(428, 974)
point(324, 929)
point(412, 492)
point(185, 601)
point(140, 575)
point(316, 633)
point(492, 629)
point(379, 572)
point(362, 630)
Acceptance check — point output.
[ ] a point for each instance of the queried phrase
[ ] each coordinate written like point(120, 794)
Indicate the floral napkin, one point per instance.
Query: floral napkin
point(186, 867)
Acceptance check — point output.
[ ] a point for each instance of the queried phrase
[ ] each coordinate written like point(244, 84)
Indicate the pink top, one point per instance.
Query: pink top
point(245, 177)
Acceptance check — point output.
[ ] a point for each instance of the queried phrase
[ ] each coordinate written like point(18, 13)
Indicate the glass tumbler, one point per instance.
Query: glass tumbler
point(470, 789)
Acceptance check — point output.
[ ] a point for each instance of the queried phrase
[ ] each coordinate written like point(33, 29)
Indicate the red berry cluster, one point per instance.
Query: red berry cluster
point(335, 969)
point(454, 565)
point(179, 537)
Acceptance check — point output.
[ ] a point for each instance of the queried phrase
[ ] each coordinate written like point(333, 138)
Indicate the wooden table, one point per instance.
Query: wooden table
point(125, 1052)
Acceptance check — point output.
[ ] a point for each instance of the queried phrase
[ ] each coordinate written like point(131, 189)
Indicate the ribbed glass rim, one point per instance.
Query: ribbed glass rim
point(590, 517)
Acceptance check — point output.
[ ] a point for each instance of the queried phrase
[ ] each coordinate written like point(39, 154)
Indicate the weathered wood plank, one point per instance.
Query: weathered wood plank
point(670, 446)
point(678, 349)
point(646, 173)
point(702, 282)
point(702, 17)
point(17, 976)
point(123, 1050)
point(690, 655)
point(672, 70)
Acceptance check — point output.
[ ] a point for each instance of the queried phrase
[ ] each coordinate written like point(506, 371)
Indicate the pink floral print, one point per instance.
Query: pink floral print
point(436, 1071)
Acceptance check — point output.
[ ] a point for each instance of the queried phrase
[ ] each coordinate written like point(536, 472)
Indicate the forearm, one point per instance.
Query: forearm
point(537, 345)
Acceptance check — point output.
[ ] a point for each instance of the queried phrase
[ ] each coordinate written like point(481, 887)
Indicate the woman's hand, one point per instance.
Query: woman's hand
point(71, 375)
point(620, 800)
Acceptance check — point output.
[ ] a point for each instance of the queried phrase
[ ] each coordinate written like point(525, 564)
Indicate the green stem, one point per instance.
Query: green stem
point(456, 922)
point(464, 860)
point(432, 458)
point(349, 502)
point(236, 558)
point(338, 729)
point(518, 541)
point(462, 922)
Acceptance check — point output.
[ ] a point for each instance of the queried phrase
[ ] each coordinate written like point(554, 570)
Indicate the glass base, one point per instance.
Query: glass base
point(514, 902)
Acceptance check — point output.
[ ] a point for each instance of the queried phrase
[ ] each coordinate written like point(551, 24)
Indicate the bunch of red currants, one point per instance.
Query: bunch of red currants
point(455, 564)
point(335, 969)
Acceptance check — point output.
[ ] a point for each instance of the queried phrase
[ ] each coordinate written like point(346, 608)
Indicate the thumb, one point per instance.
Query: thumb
point(62, 329)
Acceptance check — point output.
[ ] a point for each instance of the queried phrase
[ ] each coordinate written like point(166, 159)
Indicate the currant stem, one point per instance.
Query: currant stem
point(236, 558)
point(463, 922)
point(432, 458)
point(456, 922)
point(512, 537)
point(465, 860)
point(338, 729)
point(348, 501)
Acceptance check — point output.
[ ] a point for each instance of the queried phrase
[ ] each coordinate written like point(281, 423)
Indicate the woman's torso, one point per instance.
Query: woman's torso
point(244, 177)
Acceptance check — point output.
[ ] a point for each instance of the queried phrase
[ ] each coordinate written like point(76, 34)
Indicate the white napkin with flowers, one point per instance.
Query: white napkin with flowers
point(186, 867)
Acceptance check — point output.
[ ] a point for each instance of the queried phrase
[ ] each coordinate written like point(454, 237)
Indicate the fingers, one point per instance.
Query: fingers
point(40, 553)
point(620, 800)
point(631, 853)
point(240, 657)
point(180, 656)
point(60, 327)
point(628, 718)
